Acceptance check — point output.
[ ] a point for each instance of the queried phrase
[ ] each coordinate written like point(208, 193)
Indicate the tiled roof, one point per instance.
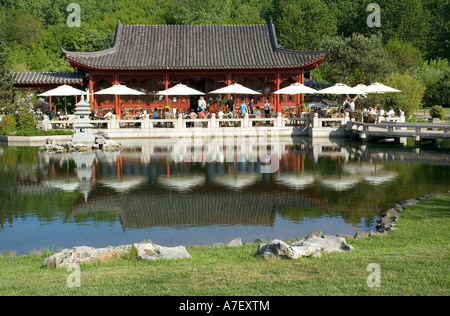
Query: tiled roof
point(47, 78)
point(165, 47)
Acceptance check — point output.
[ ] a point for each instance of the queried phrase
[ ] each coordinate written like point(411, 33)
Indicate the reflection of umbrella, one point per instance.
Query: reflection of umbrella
point(67, 185)
point(182, 182)
point(340, 184)
point(339, 88)
point(118, 89)
point(381, 177)
point(235, 181)
point(64, 90)
point(179, 90)
point(123, 184)
point(297, 181)
point(296, 88)
point(234, 88)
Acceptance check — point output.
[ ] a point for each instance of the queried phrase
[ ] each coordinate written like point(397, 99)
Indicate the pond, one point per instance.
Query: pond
point(199, 192)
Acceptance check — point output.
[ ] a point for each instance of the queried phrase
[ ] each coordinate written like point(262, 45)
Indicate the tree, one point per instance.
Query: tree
point(355, 59)
point(301, 24)
point(19, 27)
point(438, 40)
point(404, 56)
point(410, 99)
point(432, 74)
point(196, 12)
point(6, 81)
point(406, 20)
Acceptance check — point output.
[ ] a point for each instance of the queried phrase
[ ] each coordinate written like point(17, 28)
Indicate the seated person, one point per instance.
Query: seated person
point(168, 114)
point(193, 115)
point(258, 111)
point(155, 114)
point(391, 112)
point(220, 114)
point(109, 114)
point(201, 114)
point(320, 112)
point(143, 114)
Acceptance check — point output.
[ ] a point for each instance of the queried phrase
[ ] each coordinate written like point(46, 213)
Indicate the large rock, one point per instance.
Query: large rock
point(312, 246)
point(235, 242)
point(148, 251)
point(85, 254)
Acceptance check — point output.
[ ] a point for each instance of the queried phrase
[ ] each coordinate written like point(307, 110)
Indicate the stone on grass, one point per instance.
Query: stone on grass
point(148, 251)
point(235, 243)
point(85, 254)
point(312, 246)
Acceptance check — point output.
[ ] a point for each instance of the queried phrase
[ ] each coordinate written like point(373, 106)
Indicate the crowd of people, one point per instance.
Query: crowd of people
point(229, 109)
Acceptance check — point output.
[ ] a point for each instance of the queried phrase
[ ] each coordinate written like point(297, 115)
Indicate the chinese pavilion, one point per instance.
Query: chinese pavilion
point(152, 58)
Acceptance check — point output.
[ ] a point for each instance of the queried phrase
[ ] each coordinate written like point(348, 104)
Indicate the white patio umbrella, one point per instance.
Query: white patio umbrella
point(340, 88)
point(379, 88)
point(295, 89)
point(234, 88)
point(64, 90)
point(119, 90)
point(360, 87)
point(180, 90)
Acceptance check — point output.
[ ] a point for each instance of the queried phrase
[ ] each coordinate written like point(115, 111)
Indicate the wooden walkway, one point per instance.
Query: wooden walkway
point(396, 130)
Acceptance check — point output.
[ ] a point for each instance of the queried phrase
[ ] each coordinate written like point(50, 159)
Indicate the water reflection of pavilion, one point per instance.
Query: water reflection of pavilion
point(198, 208)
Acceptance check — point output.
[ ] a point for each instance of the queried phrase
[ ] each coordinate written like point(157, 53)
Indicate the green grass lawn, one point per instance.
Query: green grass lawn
point(413, 260)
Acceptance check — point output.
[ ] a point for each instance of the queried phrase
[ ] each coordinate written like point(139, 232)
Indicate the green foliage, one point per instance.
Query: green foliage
point(437, 111)
point(19, 27)
point(410, 31)
point(433, 75)
point(8, 122)
point(405, 20)
point(5, 78)
point(26, 121)
point(404, 55)
point(355, 59)
point(301, 24)
point(412, 92)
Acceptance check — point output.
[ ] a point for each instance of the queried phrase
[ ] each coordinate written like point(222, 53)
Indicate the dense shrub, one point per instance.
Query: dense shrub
point(8, 122)
point(26, 121)
point(437, 111)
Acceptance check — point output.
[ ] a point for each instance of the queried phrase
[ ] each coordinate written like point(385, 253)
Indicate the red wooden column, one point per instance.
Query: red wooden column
point(50, 104)
point(277, 96)
point(166, 86)
point(228, 82)
point(116, 97)
point(91, 89)
point(302, 81)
